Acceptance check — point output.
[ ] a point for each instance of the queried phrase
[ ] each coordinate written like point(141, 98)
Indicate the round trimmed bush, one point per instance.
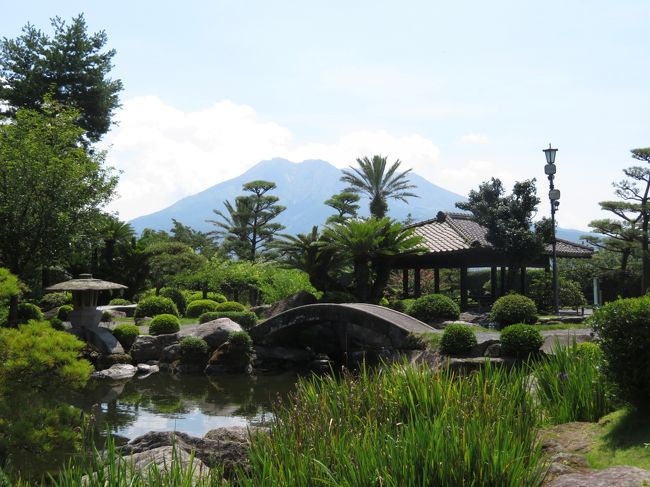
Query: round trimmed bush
point(623, 330)
point(164, 324)
point(520, 340)
point(513, 308)
point(119, 302)
point(64, 311)
point(434, 307)
point(107, 317)
point(246, 319)
point(54, 300)
point(200, 306)
point(177, 296)
point(457, 339)
point(212, 296)
point(154, 306)
point(230, 306)
point(57, 324)
point(193, 349)
point(240, 341)
point(29, 311)
point(126, 335)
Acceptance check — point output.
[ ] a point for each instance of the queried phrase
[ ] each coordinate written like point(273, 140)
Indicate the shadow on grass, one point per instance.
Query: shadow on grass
point(631, 429)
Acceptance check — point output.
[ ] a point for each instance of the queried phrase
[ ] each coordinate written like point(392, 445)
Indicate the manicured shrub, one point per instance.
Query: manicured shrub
point(155, 305)
point(193, 349)
point(64, 311)
point(457, 339)
point(246, 319)
point(57, 324)
point(200, 306)
point(513, 308)
point(541, 292)
point(623, 330)
point(119, 302)
point(196, 295)
point(230, 306)
point(434, 307)
point(164, 324)
point(107, 317)
point(29, 311)
point(54, 300)
point(240, 341)
point(520, 340)
point(177, 296)
point(126, 335)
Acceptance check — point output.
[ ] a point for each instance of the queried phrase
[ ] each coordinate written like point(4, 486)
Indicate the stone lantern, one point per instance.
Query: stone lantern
point(85, 317)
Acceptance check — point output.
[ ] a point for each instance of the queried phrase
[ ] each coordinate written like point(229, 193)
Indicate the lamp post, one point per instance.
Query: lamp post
point(554, 197)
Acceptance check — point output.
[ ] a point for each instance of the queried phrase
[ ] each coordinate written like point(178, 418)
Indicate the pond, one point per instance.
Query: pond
point(164, 402)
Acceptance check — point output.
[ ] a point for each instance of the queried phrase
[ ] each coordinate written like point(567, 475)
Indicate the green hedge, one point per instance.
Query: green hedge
point(230, 306)
point(29, 311)
point(246, 319)
point(164, 324)
point(434, 307)
point(200, 306)
point(64, 311)
point(177, 296)
point(126, 335)
point(457, 339)
point(520, 340)
point(513, 308)
point(155, 305)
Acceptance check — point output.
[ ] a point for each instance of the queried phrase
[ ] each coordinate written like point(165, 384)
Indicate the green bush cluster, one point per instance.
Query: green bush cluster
point(57, 324)
point(520, 340)
point(177, 296)
point(230, 306)
point(196, 295)
point(155, 305)
point(126, 335)
point(107, 317)
point(119, 302)
point(245, 319)
point(29, 311)
point(457, 339)
point(623, 330)
point(200, 306)
point(541, 292)
point(164, 324)
point(434, 307)
point(240, 341)
point(54, 300)
point(193, 349)
point(63, 312)
point(513, 308)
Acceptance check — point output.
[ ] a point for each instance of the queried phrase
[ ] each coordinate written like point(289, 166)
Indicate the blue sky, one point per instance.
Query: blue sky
point(459, 90)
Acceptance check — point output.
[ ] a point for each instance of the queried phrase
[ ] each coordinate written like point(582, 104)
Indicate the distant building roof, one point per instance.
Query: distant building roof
point(459, 233)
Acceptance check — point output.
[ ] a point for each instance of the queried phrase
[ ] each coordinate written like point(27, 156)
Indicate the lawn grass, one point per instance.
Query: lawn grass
point(624, 440)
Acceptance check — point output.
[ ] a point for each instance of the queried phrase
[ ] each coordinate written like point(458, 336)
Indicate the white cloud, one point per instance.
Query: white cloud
point(470, 174)
point(474, 139)
point(165, 154)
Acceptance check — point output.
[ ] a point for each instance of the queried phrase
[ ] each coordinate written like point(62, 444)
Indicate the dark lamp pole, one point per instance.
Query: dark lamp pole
point(554, 197)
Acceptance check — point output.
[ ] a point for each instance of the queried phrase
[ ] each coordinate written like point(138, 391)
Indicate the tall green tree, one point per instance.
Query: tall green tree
point(508, 219)
point(71, 66)
point(379, 183)
point(50, 187)
point(248, 227)
point(345, 204)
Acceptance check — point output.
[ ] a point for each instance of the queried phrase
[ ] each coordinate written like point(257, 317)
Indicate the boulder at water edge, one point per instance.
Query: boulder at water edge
point(149, 347)
point(116, 372)
point(215, 332)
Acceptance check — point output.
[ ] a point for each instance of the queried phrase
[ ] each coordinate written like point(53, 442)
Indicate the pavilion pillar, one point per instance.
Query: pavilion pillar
point(405, 283)
point(523, 281)
point(436, 280)
point(503, 281)
point(493, 282)
point(417, 291)
point(463, 288)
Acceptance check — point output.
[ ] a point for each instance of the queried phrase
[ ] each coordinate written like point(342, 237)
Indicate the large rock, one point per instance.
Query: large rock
point(215, 332)
point(163, 458)
point(228, 359)
point(227, 451)
point(116, 372)
point(302, 298)
point(171, 353)
point(150, 347)
point(621, 476)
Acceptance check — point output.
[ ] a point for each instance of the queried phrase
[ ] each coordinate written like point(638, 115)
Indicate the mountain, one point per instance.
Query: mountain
point(302, 188)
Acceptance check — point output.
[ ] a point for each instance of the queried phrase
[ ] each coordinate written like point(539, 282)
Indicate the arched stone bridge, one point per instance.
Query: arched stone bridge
point(342, 327)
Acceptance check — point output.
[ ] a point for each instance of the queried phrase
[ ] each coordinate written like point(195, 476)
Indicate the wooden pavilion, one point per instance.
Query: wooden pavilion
point(456, 241)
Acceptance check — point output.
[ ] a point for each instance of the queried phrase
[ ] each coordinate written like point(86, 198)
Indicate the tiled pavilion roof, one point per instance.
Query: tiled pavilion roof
point(458, 232)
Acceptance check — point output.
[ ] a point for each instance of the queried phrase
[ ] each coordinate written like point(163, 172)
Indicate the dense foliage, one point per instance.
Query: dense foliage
point(164, 324)
point(64, 311)
point(457, 339)
point(54, 300)
point(119, 302)
point(177, 296)
point(513, 308)
point(434, 307)
point(230, 306)
point(29, 311)
point(193, 349)
point(155, 305)
point(240, 341)
point(541, 292)
point(126, 335)
point(245, 319)
point(623, 330)
point(200, 306)
point(520, 340)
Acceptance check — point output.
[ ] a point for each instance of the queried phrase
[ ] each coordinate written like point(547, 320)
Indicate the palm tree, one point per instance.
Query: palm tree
point(372, 178)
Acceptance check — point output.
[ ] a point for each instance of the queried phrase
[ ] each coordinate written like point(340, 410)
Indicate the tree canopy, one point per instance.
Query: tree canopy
point(373, 179)
point(71, 66)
